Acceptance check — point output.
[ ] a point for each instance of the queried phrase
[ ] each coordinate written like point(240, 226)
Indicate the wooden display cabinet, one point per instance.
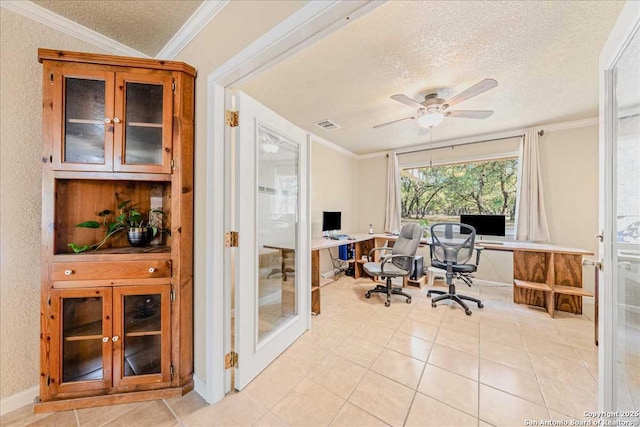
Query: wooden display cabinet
point(116, 323)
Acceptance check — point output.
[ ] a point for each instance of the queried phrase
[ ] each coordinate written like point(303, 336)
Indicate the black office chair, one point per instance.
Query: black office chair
point(451, 254)
point(398, 264)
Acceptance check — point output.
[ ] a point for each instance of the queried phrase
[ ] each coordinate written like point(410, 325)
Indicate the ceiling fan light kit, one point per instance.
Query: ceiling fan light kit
point(433, 109)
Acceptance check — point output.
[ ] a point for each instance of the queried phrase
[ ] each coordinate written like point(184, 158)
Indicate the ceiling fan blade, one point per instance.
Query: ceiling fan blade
point(470, 114)
point(474, 90)
point(395, 121)
point(407, 101)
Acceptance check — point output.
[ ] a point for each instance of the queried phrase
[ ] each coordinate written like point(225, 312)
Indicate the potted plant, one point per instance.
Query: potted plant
point(140, 230)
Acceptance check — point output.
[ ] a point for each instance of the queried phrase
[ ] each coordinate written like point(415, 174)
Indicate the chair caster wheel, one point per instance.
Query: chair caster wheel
point(480, 305)
point(367, 295)
point(387, 303)
point(467, 312)
point(433, 304)
point(408, 300)
point(428, 294)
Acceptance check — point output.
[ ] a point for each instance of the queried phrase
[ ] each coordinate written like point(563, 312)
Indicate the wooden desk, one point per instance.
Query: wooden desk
point(363, 244)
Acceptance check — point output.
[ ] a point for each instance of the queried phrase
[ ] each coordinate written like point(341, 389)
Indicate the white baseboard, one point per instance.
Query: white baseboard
point(18, 400)
point(199, 386)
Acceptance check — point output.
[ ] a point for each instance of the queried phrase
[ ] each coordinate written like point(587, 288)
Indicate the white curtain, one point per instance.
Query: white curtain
point(392, 211)
point(531, 218)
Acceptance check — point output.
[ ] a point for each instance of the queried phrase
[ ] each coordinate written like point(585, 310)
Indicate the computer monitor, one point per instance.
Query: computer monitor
point(485, 225)
point(331, 221)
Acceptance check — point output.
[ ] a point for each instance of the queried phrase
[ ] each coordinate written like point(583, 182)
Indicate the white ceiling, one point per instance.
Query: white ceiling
point(543, 54)
point(143, 25)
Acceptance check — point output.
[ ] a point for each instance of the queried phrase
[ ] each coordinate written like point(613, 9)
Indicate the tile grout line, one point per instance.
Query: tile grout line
point(173, 412)
point(75, 412)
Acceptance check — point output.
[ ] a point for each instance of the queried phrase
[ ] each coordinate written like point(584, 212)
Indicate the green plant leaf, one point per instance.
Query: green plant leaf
point(155, 231)
point(89, 224)
point(121, 217)
point(115, 226)
point(77, 248)
point(123, 204)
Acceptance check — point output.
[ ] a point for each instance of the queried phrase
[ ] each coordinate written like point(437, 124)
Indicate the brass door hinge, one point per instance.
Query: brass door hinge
point(172, 295)
point(49, 301)
point(48, 380)
point(231, 360)
point(171, 371)
point(231, 239)
point(173, 164)
point(51, 78)
point(173, 86)
point(231, 118)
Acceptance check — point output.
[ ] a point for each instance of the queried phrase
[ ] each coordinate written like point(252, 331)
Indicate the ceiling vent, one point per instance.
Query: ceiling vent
point(327, 125)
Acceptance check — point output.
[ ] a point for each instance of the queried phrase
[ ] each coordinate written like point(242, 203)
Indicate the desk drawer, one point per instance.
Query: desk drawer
point(110, 270)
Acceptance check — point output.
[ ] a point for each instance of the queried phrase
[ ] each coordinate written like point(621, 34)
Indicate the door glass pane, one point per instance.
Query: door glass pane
point(142, 334)
point(626, 250)
point(277, 230)
point(143, 132)
point(81, 339)
point(84, 121)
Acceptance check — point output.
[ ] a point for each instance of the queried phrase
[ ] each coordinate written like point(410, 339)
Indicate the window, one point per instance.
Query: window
point(442, 193)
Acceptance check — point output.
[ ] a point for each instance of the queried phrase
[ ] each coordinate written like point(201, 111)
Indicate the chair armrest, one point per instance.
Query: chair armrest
point(384, 248)
point(478, 249)
point(387, 258)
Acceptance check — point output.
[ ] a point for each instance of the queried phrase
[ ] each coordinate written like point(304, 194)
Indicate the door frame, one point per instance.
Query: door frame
point(626, 25)
point(309, 24)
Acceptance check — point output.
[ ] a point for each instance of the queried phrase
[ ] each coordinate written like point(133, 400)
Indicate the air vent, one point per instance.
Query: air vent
point(327, 125)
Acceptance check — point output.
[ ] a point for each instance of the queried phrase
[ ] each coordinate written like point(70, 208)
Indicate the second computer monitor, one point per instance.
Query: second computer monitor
point(331, 221)
point(485, 225)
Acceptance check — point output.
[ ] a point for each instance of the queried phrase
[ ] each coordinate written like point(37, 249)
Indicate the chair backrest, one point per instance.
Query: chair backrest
point(449, 247)
point(407, 244)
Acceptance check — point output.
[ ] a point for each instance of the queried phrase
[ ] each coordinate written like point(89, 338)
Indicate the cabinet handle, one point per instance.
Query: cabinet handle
point(68, 272)
point(105, 339)
point(116, 120)
point(107, 120)
point(114, 339)
point(152, 269)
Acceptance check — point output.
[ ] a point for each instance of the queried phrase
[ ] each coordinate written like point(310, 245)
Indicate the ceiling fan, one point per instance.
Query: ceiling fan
point(433, 110)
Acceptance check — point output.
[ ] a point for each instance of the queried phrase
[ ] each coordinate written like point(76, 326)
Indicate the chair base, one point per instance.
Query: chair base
point(452, 295)
point(388, 290)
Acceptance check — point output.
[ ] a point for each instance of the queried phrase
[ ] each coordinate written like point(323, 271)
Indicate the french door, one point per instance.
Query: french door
point(619, 366)
point(272, 271)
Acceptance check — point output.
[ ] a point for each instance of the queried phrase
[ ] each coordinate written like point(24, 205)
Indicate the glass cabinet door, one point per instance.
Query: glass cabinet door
point(82, 329)
point(82, 114)
point(141, 335)
point(143, 128)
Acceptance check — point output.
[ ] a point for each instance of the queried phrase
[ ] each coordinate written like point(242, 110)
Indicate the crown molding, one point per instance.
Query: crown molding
point(593, 121)
point(332, 146)
point(67, 26)
point(196, 22)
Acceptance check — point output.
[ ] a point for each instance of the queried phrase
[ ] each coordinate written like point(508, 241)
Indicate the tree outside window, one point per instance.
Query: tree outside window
point(442, 193)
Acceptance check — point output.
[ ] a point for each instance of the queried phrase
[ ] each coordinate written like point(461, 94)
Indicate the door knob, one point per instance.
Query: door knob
point(105, 339)
point(152, 269)
point(600, 236)
point(68, 272)
point(107, 120)
point(114, 339)
point(116, 120)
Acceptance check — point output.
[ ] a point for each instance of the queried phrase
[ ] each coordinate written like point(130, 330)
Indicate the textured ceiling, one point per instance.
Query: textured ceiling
point(143, 25)
point(543, 54)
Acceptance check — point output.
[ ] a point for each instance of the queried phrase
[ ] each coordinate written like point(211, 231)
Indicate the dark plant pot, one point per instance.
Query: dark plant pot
point(139, 236)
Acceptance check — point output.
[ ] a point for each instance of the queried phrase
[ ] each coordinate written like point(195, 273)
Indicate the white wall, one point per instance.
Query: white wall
point(334, 187)
point(569, 160)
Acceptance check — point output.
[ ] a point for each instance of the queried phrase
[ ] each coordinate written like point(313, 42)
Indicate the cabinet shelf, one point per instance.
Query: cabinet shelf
point(145, 125)
point(571, 290)
point(143, 333)
point(85, 121)
point(532, 285)
point(87, 331)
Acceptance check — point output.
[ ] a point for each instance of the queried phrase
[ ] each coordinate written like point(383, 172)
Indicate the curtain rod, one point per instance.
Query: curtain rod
point(466, 143)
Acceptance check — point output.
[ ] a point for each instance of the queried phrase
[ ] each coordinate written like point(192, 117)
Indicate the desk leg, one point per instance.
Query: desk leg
point(315, 282)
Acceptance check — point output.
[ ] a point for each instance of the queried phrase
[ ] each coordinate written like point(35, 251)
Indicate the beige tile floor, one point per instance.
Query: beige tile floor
point(367, 365)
